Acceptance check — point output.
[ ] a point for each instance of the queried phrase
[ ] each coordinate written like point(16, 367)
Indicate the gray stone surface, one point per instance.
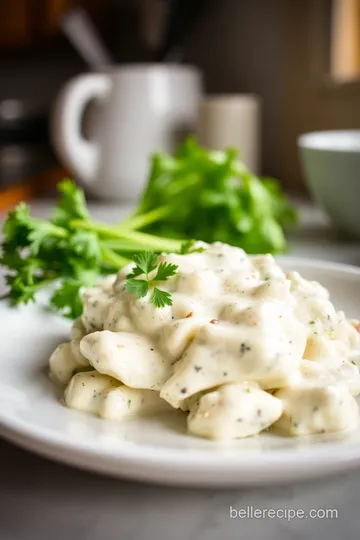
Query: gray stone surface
point(47, 501)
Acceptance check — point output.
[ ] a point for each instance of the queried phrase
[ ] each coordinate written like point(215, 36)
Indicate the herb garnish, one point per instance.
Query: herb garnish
point(146, 263)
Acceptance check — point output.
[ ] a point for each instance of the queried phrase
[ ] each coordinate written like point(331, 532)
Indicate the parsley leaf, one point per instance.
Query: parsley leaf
point(139, 287)
point(161, 298)
point(67, 298)
point(165, 271)
point(146, 262)
point(16, 227)
point(40, 232)
point(22, 291)
point(72, 204)
point(86, 245)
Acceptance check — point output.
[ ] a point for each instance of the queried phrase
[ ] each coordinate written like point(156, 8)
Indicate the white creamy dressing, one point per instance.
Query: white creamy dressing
point(243, 347)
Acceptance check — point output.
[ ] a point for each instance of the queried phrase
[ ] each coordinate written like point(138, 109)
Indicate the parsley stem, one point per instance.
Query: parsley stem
point(33, 288)
point(152, 242)
point(44, 283)
point(113, 258)
point(123, 245)
point(51, 228)
point(138, 221)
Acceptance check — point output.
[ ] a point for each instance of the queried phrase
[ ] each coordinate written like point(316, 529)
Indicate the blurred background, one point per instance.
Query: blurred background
point(300, 57)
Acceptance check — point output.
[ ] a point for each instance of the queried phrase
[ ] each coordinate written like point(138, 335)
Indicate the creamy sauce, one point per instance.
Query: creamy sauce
point(243, 347)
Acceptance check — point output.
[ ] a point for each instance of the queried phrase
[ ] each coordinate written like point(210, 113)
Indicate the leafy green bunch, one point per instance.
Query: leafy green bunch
point(69, 248)
point(196, 193)
point(212, 196)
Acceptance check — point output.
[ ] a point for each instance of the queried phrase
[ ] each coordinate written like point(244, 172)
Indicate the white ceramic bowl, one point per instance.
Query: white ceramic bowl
point(331, 165)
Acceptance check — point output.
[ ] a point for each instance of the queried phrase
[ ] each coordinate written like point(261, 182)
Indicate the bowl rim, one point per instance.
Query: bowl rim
point(308, 140)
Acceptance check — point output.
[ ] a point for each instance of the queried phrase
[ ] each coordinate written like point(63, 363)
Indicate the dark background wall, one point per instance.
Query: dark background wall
point(277, 49)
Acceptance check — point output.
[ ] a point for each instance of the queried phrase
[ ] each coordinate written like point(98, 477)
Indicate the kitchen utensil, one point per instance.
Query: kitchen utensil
point(81, 32)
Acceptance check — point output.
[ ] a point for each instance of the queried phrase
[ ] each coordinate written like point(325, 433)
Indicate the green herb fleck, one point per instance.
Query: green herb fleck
point(188, 247)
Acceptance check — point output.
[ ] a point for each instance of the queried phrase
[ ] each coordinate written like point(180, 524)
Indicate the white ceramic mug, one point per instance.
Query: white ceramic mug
point(143, 109)
point(231, 120)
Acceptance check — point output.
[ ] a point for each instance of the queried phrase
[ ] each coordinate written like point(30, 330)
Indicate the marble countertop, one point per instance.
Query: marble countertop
point(43, 500)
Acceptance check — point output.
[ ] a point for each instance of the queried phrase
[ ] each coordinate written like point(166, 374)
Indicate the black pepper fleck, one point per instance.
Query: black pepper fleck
point(183, 390)
point(198, 368)
point(244, 348)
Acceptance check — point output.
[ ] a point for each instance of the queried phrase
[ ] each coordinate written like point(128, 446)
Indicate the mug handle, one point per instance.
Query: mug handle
point(80, 155)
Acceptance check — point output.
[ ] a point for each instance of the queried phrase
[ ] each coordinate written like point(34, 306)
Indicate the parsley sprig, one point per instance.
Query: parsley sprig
point(70, 250)
point(145, 263)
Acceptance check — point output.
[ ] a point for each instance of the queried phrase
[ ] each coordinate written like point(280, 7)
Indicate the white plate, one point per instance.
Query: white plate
point(154, 449)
